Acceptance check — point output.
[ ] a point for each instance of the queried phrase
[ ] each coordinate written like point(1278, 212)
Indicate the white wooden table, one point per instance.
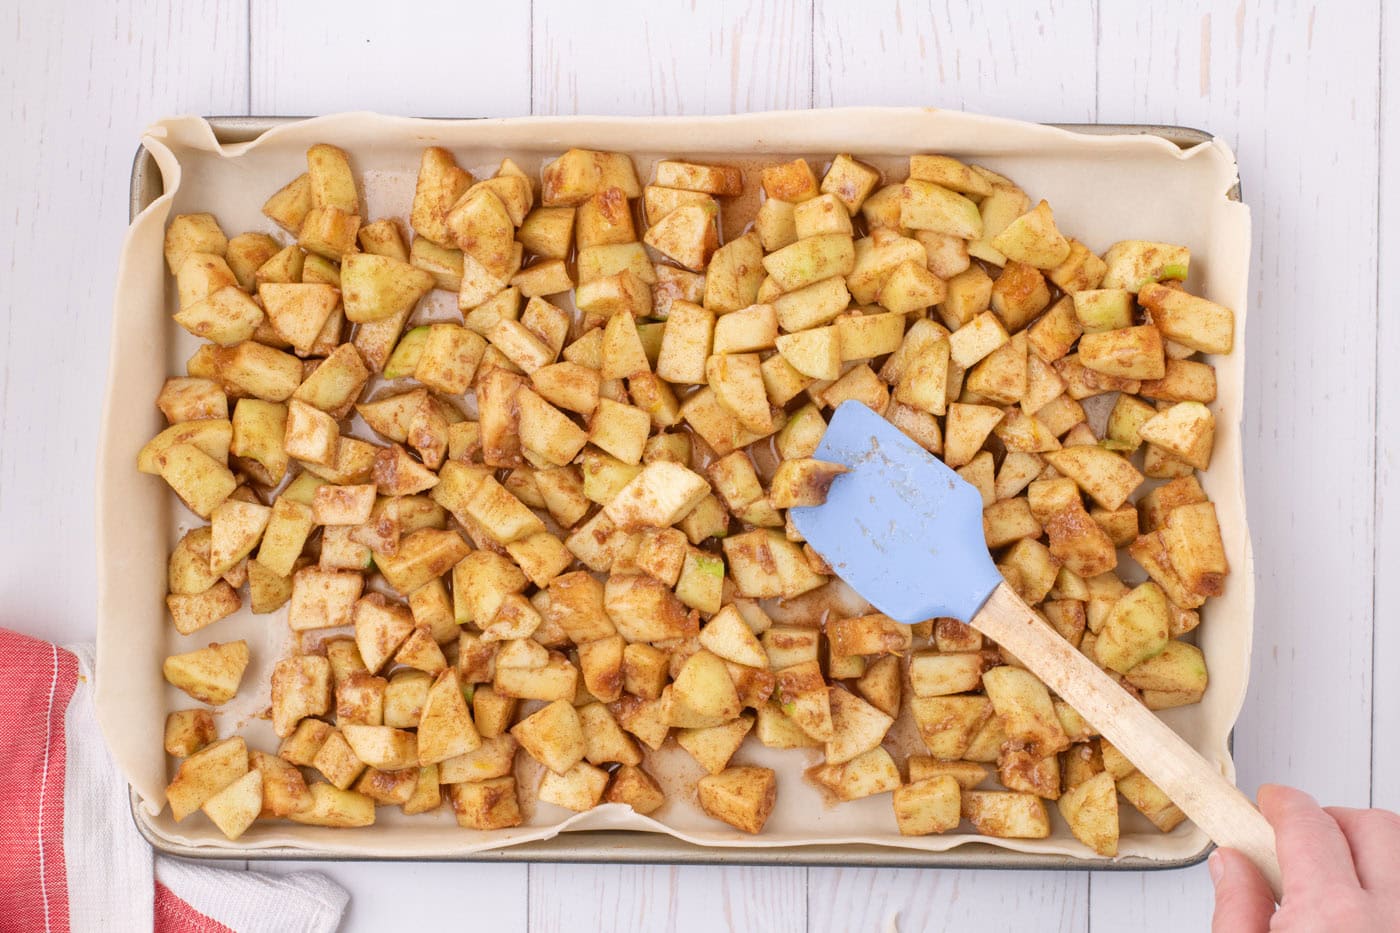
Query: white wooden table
point(1299, 91)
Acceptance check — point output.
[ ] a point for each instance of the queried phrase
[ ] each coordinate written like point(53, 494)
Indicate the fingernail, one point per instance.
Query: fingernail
point(1216, 864)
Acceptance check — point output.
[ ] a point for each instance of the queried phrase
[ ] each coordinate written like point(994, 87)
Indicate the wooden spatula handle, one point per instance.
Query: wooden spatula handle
point(1192, 783)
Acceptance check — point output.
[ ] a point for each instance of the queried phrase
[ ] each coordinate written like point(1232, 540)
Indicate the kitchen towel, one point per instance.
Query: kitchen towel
point(69, 852)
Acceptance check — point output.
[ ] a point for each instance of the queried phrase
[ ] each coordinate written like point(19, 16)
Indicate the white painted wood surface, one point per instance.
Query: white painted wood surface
point(684, 58)
point(1385, 753)
point(1029, 61)
point(310, 58)
point(1300, 92)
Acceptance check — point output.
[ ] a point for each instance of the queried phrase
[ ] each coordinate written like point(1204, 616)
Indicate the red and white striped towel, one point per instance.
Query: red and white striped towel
point(70, 856)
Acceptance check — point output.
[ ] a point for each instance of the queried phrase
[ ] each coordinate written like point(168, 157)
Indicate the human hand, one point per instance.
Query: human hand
point(1341, 870)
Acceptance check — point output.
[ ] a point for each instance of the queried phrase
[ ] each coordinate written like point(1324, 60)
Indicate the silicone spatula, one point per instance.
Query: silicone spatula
point(905, 532)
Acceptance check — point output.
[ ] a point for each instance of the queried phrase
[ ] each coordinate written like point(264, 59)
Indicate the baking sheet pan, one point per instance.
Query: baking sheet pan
point(592, 845)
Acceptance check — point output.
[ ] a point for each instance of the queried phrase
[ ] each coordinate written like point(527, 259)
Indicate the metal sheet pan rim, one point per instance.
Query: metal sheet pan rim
point(621, 847)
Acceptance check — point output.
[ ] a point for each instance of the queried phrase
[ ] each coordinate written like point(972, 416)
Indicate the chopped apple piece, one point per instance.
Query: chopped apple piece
point(634, 787)
point(210, 674)
point(927, 206)
point(204, 774)
point(1034, 239)
point(742, 797)
point(931, 805)
point(660, 495)
point(1006, 815)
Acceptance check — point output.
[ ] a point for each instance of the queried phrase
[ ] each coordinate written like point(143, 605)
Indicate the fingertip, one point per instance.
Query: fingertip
point(1228, 864)
point(1276, 796)
point(1243, 901)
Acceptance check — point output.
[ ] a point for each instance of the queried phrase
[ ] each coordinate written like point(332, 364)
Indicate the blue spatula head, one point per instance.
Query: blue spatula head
point(901, 528)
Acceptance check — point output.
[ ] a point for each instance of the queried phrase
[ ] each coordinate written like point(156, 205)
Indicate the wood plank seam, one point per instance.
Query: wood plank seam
point(1377, 410)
